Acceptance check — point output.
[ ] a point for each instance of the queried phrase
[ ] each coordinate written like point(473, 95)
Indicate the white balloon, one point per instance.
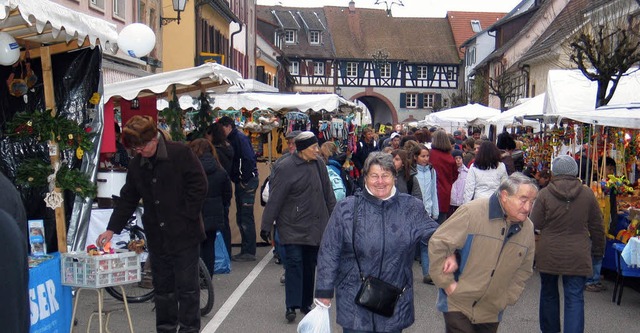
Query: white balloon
point(136, 40)
point(9, 49)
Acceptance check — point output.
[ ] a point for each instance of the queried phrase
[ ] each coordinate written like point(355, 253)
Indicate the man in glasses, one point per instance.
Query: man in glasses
point(169, 179)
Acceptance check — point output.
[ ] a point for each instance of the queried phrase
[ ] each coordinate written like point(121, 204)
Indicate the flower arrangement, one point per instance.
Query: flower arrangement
point(616, 185)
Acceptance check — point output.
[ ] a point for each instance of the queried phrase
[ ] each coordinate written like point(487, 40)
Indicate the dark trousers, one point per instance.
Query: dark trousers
point(226, 230)
point(300, 271)
point(457, 322)
point(346, 330)
point(208, 251)
point(177, 289)
point(245, 197)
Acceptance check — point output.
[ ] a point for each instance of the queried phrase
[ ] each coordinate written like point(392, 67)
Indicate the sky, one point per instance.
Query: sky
point(411, 8)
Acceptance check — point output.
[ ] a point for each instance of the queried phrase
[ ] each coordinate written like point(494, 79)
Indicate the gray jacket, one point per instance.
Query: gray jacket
point(386, 236)
point(300, 200)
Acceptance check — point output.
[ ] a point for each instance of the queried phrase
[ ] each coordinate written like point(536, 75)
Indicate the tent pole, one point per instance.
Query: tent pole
point(54, 154)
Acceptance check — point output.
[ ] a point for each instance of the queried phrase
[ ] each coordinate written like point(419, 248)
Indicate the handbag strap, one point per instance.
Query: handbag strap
point(353, 240)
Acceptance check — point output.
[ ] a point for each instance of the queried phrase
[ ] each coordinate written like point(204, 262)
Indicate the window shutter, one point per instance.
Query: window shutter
point(394, 69)
point(303, 68)
point(403, 100)
point(437, 100)
point(360, 69)
point(430, 73)
point(327, 69)
point(420, 101)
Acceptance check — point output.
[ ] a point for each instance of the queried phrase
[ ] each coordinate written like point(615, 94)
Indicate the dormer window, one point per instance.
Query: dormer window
point(290, 36)
point(475, 26)
point(314, 37)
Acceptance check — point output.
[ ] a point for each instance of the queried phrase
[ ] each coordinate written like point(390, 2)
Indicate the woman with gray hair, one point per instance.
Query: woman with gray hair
point(373, 233)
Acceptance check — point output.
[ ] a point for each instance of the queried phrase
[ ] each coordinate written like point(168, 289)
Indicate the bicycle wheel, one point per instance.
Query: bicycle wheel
point(206, 289)
point(137, 292)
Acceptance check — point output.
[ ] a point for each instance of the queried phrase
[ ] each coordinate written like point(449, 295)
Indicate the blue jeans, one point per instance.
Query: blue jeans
point(245, 197)
point(596, 262)
point(279, 248)
point(424, 258)
point(299, 275)
point(573, 303)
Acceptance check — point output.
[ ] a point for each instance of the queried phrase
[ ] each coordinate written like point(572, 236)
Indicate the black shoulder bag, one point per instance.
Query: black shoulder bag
point(376, 295)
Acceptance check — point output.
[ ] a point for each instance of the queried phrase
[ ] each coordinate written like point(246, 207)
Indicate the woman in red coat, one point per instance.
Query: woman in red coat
point(446, 171)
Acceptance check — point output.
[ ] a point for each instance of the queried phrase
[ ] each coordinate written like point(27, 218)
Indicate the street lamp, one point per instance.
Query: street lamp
point(178, 6)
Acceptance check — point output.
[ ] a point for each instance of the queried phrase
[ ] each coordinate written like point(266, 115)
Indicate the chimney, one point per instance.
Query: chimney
point(352, 7)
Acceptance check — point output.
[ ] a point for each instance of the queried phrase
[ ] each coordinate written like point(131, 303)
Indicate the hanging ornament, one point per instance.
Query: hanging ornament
point(53, 200)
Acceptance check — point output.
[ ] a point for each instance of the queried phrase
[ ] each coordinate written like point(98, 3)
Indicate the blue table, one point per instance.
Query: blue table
point(49, 300)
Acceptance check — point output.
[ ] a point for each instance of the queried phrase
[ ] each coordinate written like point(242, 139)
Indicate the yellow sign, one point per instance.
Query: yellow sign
point(211, 57)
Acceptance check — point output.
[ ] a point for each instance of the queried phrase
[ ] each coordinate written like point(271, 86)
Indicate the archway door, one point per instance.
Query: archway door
point(381, 109)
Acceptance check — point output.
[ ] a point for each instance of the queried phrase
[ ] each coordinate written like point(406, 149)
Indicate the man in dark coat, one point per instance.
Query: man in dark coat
point(11, 202)
point(14, 285)
point(169, 179)
point(301, 200)
point(244, 174)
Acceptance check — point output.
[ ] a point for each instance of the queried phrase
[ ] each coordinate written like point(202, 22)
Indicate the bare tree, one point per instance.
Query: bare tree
point(502, 86)
point(607, 46)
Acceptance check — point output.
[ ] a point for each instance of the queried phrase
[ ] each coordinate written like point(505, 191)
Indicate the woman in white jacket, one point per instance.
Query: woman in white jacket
point(485, 173)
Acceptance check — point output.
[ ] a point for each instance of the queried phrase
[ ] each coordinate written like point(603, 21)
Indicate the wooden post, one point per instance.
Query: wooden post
point(50, 104)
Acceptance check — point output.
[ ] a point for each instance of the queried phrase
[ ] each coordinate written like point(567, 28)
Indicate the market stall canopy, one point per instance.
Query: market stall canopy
point(196, 78)
point(570, 91)
point(452, 118)
point(621, 115)
point(281, 101)
point(44, 23)
point(516, 114)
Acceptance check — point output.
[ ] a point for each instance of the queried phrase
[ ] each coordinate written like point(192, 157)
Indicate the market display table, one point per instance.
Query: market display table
point(626, 265)
point(96, 272)
point(50, 301)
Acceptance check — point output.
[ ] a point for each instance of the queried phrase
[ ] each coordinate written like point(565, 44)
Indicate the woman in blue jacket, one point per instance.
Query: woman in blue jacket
point(388, 225)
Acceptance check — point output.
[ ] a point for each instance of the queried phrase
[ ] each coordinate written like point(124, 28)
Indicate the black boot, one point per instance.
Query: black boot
point(290, 315)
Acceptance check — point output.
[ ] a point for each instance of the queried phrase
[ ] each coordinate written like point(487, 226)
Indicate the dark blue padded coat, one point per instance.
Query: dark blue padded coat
point(398, 224)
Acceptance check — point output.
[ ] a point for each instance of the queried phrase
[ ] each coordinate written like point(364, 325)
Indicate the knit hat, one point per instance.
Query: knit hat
point(456, 152)
point(305, 140)
point(564, 165)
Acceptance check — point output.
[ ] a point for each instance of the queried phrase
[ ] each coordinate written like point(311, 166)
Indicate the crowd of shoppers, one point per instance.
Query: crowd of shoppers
point(458, 204)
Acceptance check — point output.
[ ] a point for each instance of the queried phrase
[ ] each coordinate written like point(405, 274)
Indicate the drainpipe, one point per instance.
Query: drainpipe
point(230, 57)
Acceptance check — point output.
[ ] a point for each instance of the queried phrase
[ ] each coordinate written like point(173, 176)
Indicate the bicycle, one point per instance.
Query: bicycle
point(140, 292)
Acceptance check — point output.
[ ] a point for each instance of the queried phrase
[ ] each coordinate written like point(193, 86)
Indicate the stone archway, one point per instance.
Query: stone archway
point(381, 109)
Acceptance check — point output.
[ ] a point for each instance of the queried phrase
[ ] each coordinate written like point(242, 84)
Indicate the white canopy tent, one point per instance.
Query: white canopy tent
point(516, 115)
point(453, 118)
point(199, 78)
point(281, 101)
point(47, 23)
point(570, 91)
point(620, 115)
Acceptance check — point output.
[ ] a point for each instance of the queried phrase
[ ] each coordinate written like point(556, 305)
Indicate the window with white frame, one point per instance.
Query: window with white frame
point(294, 68)
point(318, 68)
point(352, 69)
point(412, 100)
point(119, 8)
point(475, 26)
point(422, 72)
point(450, 74)
point(314, 37)
point(277, 40)
point(97, 4)
point(385, 70)
point(289, 36)
point(429, 100)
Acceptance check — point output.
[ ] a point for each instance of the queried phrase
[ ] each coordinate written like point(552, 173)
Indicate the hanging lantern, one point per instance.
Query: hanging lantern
point(136, 40)
point(9, 49)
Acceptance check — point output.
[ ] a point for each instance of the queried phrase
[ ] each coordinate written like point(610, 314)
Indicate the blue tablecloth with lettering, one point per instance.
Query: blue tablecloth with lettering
point(49, 300)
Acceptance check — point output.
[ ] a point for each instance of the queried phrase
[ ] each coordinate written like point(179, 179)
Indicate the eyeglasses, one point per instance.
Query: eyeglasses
point(384, 177)
point(142, 146)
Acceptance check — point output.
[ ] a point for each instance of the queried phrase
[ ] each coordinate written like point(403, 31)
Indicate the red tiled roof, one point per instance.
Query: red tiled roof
point(419, 40)
point(460, 23)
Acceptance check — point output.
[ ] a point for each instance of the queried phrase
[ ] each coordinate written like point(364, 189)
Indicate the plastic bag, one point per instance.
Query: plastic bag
point(316, 321)
point(222, 264)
